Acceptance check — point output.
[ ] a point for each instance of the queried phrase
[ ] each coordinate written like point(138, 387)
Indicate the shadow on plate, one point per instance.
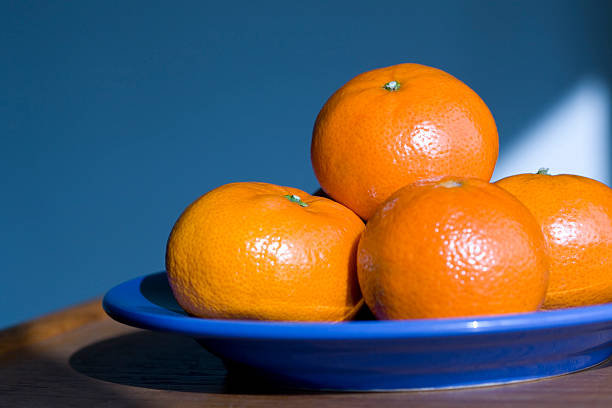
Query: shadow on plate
point(155, 289)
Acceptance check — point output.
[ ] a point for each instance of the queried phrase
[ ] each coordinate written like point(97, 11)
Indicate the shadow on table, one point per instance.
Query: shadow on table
point(165, 362)
point(35, 378)
point(171, 362)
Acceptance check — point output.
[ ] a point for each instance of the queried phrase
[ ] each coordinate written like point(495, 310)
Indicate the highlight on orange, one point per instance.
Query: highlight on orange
point(452, 247)
point(575, 213)
point(262, 251)
point(393, 126)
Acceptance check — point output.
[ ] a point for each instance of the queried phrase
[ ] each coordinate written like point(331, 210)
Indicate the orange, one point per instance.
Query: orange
point(393, 126)
point(449, 248)
point(261, 251)
point(575, 213)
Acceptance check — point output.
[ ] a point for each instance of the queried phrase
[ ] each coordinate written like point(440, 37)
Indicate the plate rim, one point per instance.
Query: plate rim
point(126, 304)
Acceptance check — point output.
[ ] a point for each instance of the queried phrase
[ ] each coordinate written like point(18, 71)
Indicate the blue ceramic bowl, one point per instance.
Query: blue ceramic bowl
point(380, 355)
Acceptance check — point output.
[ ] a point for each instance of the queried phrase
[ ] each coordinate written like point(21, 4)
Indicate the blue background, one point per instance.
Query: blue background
point(116, 115)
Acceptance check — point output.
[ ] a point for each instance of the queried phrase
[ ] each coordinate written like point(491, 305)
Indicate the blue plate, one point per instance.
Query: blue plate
point(380, 355)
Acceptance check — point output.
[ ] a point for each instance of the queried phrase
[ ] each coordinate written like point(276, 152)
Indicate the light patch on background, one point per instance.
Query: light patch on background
point(573, 137)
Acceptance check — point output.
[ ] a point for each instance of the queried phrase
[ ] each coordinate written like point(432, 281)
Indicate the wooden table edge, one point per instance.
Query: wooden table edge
point(34, 331)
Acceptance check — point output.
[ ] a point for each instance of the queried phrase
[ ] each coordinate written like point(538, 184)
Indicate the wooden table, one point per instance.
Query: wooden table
point(81, 358)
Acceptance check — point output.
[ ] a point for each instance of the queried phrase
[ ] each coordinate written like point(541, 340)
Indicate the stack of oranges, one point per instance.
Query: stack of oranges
point(408, 222)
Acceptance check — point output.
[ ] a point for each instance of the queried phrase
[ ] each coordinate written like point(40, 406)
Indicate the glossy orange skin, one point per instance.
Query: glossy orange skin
point(576, 216)
point(368, 142)
point(244, 251)
point(450, 248)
